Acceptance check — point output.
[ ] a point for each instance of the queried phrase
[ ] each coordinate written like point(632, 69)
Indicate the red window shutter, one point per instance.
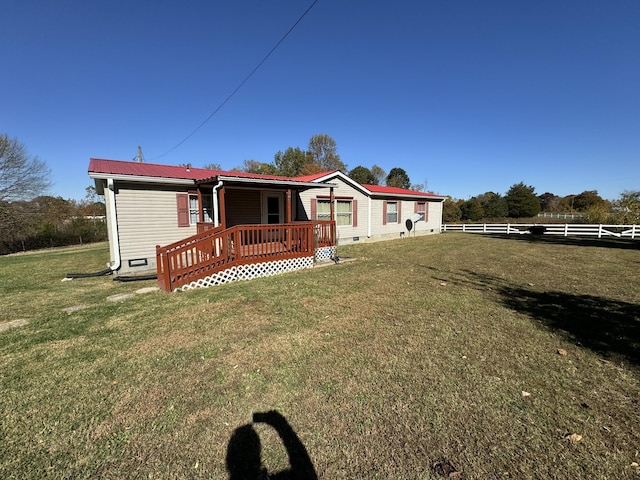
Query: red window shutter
point(384, 212)
point(314, 209)
point(426, 211)
point(354, 207)
point(415, 207)
point(182, 200)
point(399, 210)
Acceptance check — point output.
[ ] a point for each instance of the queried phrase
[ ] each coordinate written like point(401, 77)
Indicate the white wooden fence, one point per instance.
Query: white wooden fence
point(565, 230)
point(560, 215)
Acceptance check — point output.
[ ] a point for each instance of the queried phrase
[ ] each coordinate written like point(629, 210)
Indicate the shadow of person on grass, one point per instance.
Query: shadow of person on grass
point(244, 460)
point(607, 326)
point(625, 243)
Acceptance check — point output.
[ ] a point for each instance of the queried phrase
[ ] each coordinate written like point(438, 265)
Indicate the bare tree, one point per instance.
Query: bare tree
point(22, 176)
point(379, 174)
point(213, 166)
point(324, 152)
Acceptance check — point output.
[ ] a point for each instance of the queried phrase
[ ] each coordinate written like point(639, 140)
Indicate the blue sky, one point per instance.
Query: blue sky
point(467, 96)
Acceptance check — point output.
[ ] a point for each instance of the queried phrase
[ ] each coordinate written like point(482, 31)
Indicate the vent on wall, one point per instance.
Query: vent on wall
point(138, 262)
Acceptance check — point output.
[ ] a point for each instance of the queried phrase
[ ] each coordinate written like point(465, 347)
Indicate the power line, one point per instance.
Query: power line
point(246, 79)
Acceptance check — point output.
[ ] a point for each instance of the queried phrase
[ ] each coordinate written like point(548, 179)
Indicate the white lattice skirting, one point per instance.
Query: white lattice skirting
point(250, 271)
point(325, 253)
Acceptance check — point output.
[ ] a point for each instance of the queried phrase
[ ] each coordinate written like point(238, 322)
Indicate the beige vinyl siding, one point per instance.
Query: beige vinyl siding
point(407, 207)
point(345, 233)
point(147, 216)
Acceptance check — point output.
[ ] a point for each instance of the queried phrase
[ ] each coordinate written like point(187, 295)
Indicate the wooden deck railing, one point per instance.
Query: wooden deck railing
point(216, 249)
point(324, 233)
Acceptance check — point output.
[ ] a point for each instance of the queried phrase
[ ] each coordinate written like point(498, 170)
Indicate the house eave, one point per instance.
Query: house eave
point(263, 181)
point(142, 179)
point(345, 179)
point(408, 196)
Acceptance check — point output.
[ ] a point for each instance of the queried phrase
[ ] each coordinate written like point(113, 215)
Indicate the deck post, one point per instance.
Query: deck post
point(288, 207)
point(223, 214)
point(200, 206)
point(332, 207)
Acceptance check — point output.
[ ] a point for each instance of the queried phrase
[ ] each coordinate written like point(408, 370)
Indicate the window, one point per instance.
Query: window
point(207, 206)
point(193, 209)
point(344, 211)
point(421, 208)
point(323, 211)
point(392, 212)
point(188, 209)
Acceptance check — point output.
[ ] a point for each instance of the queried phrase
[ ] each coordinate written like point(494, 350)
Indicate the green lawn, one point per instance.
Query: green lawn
point(469, 352)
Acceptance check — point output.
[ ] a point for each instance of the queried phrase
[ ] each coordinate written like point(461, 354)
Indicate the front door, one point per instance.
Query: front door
point(271, 214)
point(272, 208)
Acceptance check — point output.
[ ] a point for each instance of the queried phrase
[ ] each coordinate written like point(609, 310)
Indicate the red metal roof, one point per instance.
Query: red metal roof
point(315, 176)
point(119, 167)
point(396, 191)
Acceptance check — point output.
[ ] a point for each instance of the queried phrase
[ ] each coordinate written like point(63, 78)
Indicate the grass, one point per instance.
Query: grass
point(416, 353)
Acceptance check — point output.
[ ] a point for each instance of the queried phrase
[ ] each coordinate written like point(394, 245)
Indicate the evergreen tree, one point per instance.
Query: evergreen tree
point(494, 205)
point(362, 175)
point(522, 201)
point(398, 178)
point(472, 210)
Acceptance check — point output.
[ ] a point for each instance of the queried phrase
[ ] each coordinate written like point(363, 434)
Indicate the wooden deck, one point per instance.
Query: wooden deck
point(213, 249)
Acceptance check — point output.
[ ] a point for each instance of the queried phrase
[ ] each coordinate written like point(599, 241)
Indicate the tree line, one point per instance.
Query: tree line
point(28, 218)
point(48, 221)
point(322, 155)
point(521, 202)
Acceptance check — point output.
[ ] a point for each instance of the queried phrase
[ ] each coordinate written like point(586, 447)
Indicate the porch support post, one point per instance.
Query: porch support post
point(223, 214)
point(331, 205)
point(200, 205)
point(288, 207)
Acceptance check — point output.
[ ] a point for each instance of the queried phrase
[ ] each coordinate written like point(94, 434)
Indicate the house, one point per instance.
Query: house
point(372, 212)
point(200, 227)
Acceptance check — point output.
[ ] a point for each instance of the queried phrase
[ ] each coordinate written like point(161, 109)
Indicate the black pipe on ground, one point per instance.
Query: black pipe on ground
point(106, 271)
point(139, 278)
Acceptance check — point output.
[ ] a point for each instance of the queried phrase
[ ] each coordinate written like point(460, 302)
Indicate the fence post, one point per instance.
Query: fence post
point(463, 229)
point(633, 231)
point(484, 228)
point(600, 231)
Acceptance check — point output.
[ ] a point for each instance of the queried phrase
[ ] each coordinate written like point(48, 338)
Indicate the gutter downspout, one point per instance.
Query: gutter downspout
point(369, 219)
point(216, 222)
point(114, 228)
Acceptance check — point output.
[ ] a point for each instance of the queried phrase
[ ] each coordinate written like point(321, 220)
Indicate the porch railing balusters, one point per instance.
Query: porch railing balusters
point(215, 249)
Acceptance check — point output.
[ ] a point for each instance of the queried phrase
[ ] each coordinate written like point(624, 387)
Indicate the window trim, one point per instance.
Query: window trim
point(385, 211)
point(185, 211)
point(425, 212)
point(326, 200)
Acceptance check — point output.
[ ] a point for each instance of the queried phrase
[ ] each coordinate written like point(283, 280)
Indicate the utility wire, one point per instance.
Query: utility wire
point(241, 83)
